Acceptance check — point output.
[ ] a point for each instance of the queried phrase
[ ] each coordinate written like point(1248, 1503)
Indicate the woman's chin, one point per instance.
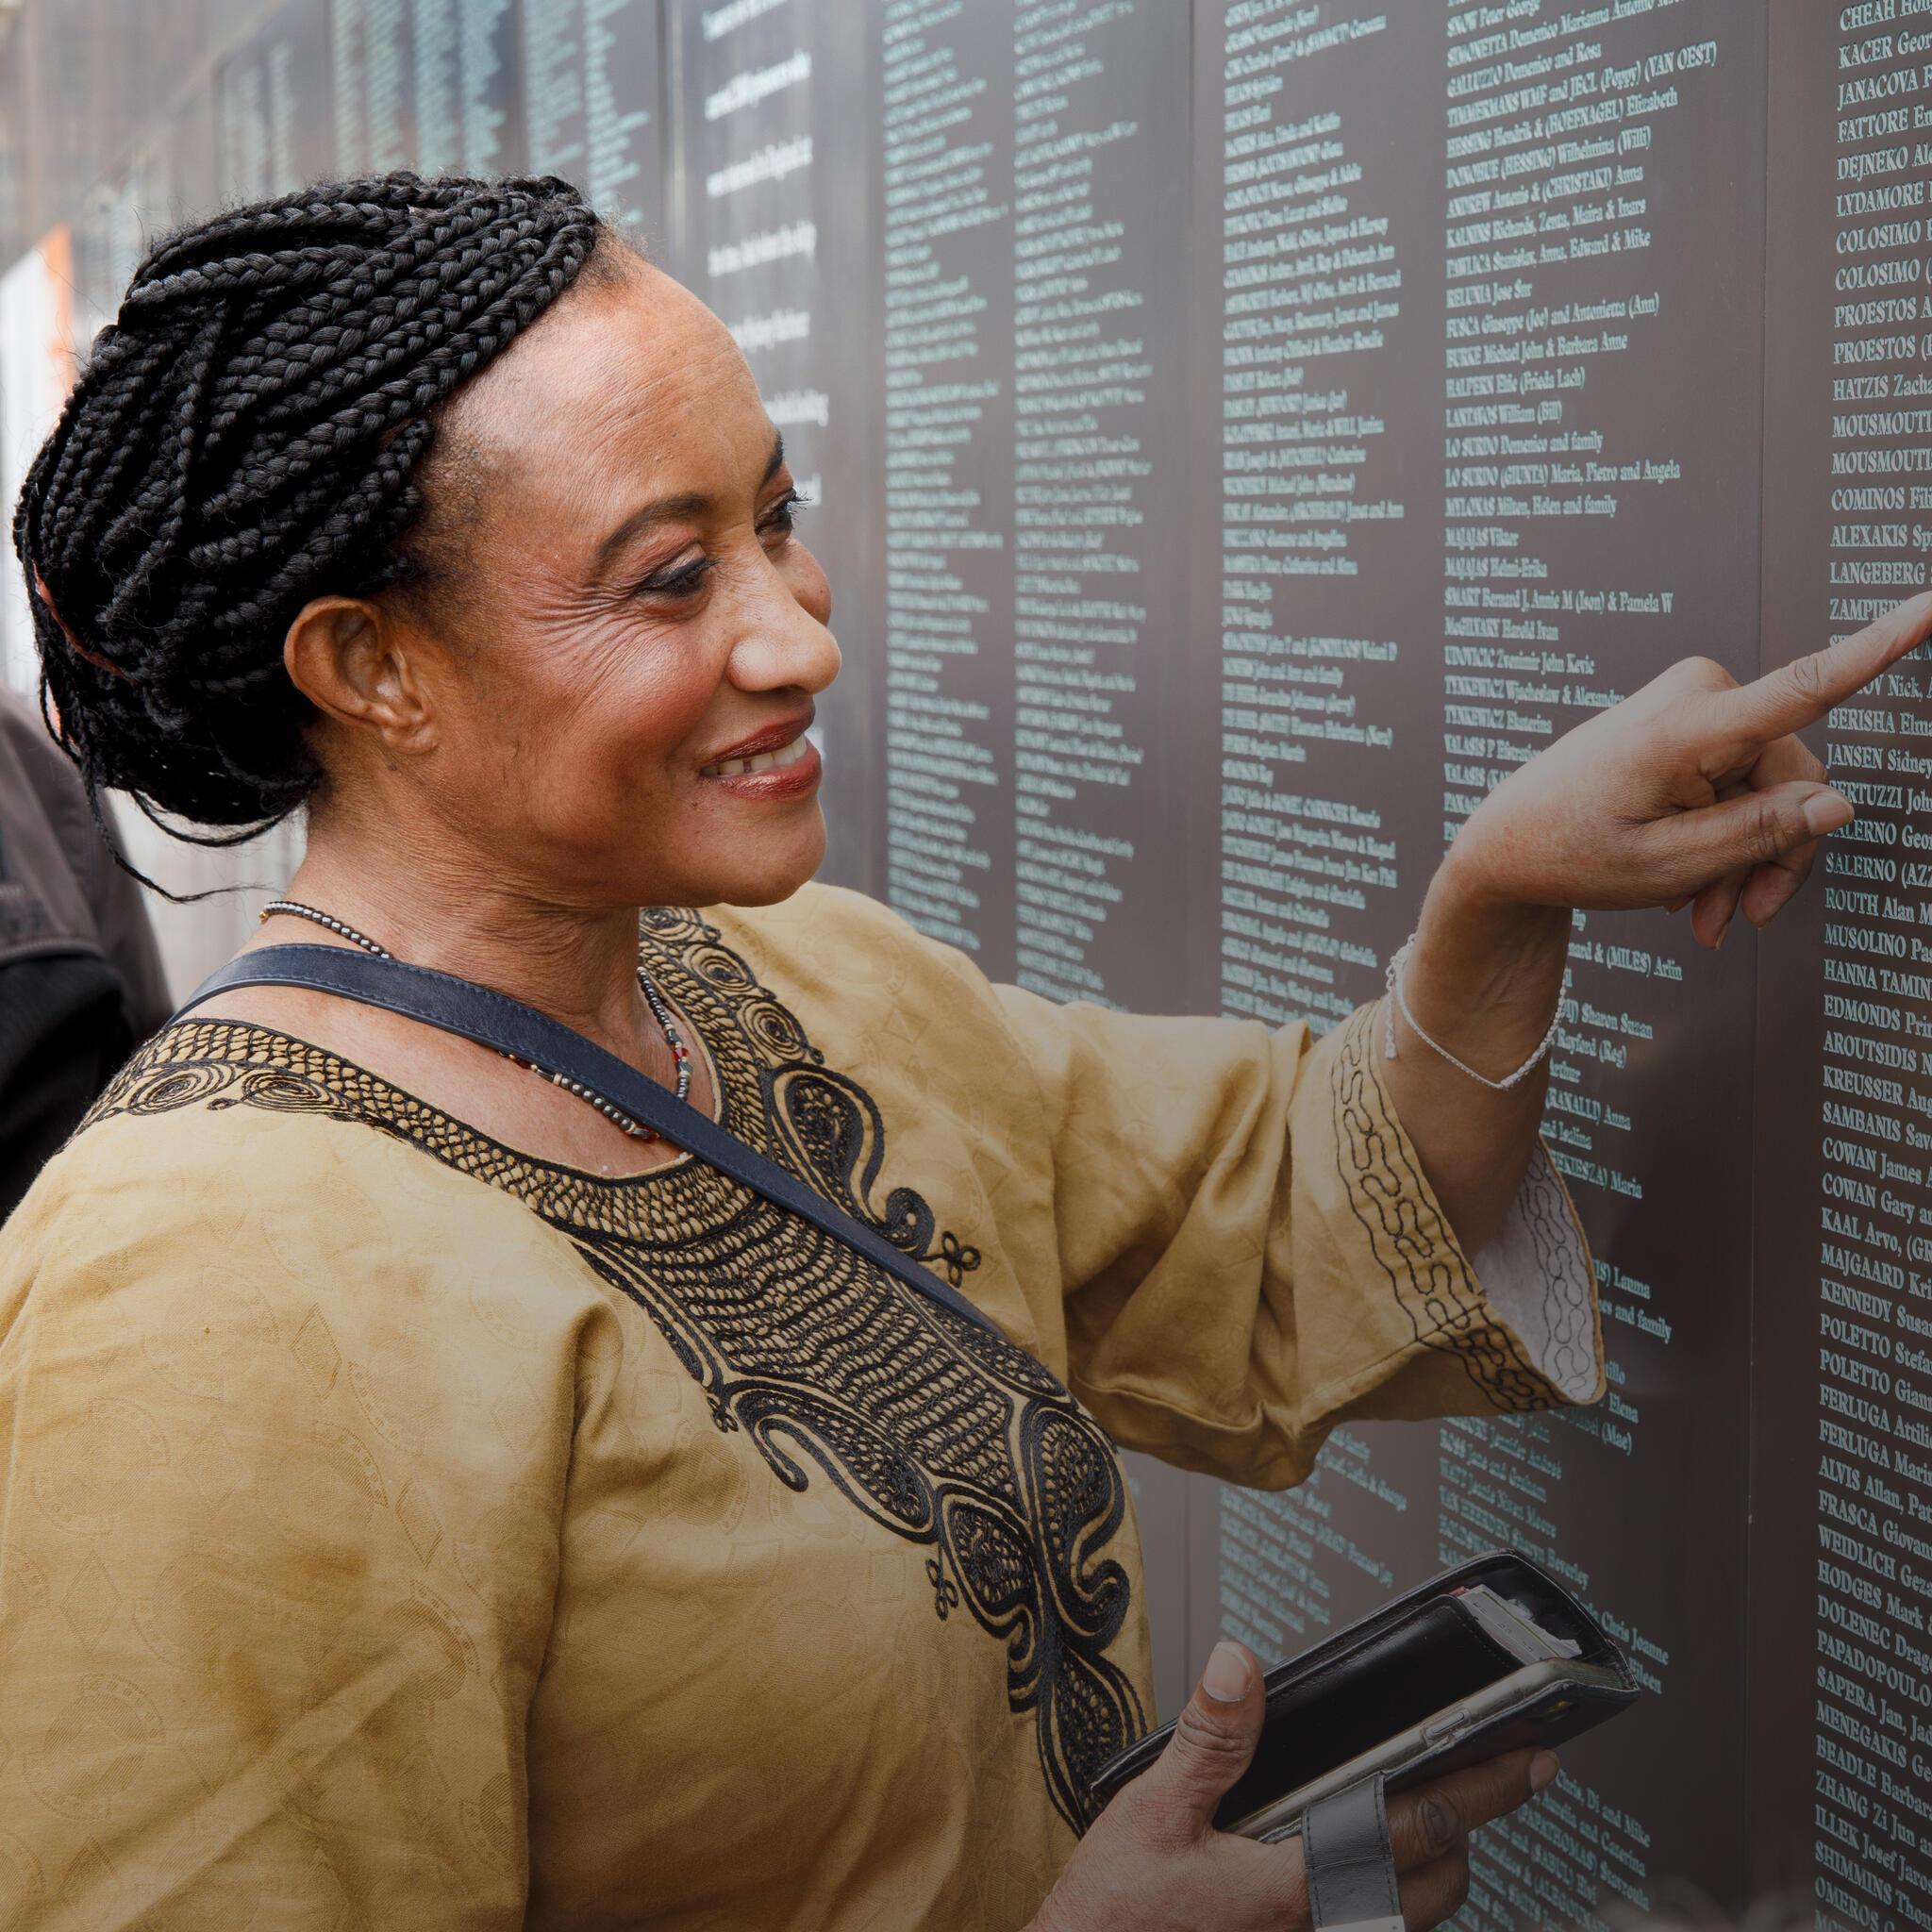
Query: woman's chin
point(775, 868)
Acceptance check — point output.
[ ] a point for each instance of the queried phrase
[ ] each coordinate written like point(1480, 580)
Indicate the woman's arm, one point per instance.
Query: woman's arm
point(1692, 790)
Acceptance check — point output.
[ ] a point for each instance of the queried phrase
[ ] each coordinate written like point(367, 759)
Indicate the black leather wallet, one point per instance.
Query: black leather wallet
point(1444, 1677)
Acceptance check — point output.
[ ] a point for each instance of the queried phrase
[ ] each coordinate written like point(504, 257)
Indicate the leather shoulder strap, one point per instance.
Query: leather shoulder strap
point(1350, 1871)
point(492, 1019)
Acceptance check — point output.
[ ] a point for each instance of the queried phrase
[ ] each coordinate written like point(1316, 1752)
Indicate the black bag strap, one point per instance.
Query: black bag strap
point(492, 1019)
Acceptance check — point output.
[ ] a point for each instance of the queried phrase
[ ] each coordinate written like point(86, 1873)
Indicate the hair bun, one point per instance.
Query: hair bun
point(243, 439)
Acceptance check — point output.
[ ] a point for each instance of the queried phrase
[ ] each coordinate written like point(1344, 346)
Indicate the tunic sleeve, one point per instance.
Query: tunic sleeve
point(1250, 1255)
point(280, 1496)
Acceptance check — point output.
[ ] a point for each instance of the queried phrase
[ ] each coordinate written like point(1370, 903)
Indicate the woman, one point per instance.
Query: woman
point(495, 1518)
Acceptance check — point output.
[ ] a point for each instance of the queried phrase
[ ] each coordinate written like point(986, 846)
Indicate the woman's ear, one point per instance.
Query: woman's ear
point(356, 664)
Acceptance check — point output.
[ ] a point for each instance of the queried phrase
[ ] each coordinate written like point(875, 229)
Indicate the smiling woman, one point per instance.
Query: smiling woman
point(432, 1501)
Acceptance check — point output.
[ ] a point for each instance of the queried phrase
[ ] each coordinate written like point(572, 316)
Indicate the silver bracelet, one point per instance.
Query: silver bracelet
point(1401, 999)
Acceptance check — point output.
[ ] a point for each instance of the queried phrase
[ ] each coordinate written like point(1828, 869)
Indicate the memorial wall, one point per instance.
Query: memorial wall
point(1242, 434)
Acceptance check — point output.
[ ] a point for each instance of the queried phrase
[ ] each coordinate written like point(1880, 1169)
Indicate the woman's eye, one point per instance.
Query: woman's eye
point(782, 518)
point(688, 578)
point(681, 580)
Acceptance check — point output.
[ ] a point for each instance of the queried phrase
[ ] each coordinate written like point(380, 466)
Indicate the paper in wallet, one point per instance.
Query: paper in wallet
point(1490, 1657)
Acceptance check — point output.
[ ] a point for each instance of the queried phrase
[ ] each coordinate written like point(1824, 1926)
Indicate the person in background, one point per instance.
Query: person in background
point(80, 978)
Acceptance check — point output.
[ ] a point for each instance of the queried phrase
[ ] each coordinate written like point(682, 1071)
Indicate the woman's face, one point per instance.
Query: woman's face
point(635, 617)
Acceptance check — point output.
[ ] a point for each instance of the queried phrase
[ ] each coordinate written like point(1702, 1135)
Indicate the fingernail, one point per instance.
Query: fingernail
point(1717, 944)
point(1225, 1679)
point(1542, 1771)
point(1825, 811)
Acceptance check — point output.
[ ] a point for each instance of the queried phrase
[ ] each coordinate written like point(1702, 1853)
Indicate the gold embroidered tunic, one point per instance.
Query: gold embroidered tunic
point(399, 1530)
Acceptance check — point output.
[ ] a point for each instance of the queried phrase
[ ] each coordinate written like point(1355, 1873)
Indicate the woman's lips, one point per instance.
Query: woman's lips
point(789, 771)
point(775, 737)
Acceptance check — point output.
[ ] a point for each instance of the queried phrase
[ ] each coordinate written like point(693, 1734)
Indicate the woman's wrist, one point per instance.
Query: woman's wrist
point(1486, 970)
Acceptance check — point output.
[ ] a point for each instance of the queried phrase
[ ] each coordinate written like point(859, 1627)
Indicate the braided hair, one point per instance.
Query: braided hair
point(249, 434)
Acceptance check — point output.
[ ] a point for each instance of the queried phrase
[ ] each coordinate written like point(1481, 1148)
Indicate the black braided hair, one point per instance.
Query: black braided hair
point(244, 439)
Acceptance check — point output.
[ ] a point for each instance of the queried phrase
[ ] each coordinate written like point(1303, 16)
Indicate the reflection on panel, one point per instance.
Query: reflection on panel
point(465, 86)
point(590, 73)
point(274, 102)
point(371, 70)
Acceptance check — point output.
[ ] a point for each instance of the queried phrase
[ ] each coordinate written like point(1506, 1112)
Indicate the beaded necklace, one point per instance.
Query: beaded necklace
point(673, 1039)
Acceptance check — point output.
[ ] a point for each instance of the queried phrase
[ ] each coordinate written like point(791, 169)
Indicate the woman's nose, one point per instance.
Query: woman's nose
point(785, 647)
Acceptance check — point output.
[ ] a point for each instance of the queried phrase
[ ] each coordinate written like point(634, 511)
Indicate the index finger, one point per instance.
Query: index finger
point(1418, 1829)
point(1801, 692)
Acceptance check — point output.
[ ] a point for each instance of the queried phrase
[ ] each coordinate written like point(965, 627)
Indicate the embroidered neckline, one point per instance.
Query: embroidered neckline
point(943, 1432)
point(741, 1030)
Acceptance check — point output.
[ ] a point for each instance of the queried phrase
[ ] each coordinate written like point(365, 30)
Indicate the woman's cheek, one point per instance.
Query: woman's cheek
point(641, 694)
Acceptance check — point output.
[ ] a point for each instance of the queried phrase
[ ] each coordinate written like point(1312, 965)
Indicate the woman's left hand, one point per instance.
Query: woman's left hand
point(1693, 789)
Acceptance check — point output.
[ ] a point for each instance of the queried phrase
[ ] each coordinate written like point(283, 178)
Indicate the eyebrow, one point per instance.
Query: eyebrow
point(671, 510)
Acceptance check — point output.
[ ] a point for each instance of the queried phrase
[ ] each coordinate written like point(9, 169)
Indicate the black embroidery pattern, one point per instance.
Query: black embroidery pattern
point(1431, 1283)
point(937, 1429)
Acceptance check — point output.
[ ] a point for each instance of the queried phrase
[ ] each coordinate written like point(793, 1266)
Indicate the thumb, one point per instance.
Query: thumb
point(1751, 829)
point(1213, 1739)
